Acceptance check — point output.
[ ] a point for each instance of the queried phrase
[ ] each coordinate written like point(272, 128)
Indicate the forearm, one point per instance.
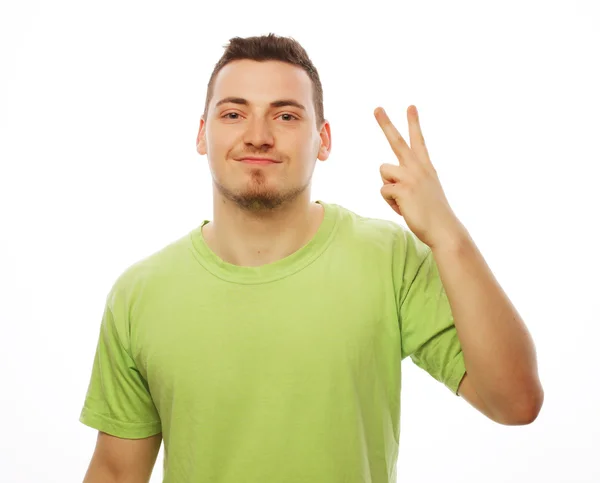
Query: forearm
point(498, 350)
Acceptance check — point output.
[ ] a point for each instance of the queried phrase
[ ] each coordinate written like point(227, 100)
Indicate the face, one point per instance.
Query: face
point(286, 133)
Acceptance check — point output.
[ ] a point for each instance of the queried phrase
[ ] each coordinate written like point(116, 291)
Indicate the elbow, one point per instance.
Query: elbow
point(536, 407)
point(527, 412)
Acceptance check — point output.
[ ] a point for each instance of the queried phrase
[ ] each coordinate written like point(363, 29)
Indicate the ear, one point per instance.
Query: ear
point(325, 148)
point(201, 138)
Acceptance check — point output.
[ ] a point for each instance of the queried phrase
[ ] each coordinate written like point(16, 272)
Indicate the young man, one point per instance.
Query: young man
point(266, 344)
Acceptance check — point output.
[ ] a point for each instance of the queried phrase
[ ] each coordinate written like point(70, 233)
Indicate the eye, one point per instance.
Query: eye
point(288, 114)
point(236, 114)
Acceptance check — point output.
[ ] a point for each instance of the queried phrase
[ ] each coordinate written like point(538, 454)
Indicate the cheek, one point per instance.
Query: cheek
point(305, 149)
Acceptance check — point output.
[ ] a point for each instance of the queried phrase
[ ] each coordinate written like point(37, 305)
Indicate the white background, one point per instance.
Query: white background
point(100, 109)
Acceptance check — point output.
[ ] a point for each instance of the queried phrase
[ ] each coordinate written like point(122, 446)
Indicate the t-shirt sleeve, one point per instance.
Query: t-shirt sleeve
point(427, 327)
point(118, 400)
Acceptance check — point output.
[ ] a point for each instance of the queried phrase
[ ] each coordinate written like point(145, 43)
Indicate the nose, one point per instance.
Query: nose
point(258, 133)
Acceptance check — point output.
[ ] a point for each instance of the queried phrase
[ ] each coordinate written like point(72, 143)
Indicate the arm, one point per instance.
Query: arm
point(118, 460)
point(468, 393)
point(498, 350)
point(499, 355)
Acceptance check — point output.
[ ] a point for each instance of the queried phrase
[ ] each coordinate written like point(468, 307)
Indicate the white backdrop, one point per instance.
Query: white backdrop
point(100, 109)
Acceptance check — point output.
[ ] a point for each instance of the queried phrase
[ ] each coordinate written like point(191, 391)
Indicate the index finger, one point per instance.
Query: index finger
point(399, 146)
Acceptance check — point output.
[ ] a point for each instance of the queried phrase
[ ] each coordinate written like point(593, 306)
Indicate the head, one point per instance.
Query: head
point(256, 73)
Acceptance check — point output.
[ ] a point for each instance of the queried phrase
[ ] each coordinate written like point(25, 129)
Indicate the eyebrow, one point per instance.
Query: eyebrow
point(245, 102)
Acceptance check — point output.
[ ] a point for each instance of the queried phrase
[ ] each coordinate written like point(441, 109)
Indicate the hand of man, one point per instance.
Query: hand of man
point(412, 188)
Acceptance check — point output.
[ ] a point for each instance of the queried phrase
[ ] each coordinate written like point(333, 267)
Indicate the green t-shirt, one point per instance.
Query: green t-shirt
point(288, 372)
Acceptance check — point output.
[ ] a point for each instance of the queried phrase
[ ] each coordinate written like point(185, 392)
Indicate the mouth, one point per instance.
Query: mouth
point(258, 161)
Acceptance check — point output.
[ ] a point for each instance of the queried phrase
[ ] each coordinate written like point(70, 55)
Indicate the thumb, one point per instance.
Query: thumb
point(389, 194)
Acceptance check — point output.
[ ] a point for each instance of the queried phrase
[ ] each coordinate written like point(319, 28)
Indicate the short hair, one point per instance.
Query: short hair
point(264, 48)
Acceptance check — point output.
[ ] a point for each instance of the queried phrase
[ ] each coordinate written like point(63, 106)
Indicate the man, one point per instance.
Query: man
point(266, 344)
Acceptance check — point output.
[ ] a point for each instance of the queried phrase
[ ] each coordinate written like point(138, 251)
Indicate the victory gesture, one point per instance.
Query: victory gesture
point(412, 188)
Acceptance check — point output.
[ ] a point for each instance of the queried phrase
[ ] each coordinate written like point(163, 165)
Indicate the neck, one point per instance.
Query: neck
point(248, 239)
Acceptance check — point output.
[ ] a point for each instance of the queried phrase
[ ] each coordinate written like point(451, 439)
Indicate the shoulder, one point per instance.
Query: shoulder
point(384, 233)
point(153, 269)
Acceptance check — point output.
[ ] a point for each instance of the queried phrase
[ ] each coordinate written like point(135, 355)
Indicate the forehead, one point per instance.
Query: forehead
point(262, 82)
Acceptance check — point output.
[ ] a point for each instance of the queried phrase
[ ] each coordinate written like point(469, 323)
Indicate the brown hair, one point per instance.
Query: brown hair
point(270, 47)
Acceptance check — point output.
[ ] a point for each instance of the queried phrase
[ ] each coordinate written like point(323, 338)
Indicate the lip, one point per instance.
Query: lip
point(258, 160)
